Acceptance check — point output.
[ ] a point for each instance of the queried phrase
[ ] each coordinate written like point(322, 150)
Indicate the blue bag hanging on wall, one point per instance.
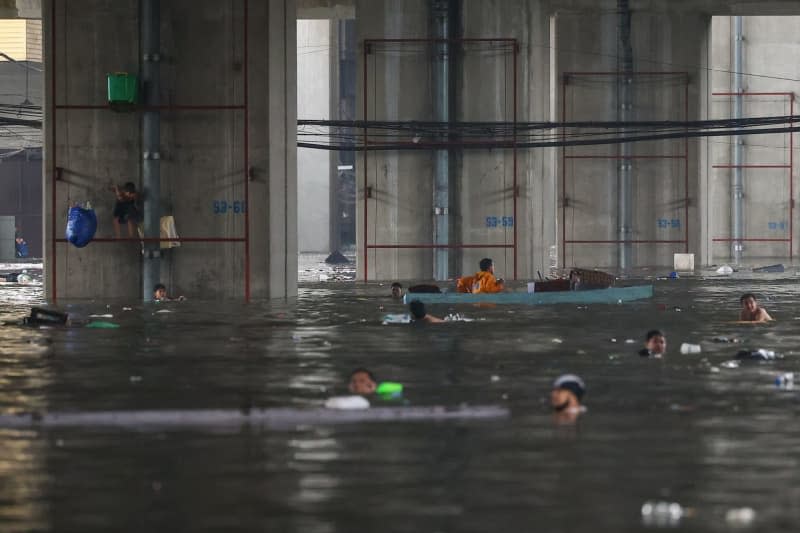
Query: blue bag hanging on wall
point(81, 225)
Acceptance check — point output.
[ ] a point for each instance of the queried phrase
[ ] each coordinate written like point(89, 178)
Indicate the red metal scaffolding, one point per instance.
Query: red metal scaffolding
point(789, 167)
point(57, 171)
point(508, 44)
point(564, 157)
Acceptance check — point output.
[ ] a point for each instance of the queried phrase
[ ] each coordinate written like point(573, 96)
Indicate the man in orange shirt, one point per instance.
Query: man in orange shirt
point(483, 281)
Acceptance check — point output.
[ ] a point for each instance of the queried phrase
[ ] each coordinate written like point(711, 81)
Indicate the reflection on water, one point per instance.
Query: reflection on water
point(684, 428)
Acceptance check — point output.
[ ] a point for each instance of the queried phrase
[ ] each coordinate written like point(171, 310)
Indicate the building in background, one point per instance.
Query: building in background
point(21, 132)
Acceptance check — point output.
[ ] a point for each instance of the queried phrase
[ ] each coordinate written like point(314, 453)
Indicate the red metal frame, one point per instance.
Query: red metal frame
point(564, 157)
point(57, 171)
point(514, 46)
point(790, 167)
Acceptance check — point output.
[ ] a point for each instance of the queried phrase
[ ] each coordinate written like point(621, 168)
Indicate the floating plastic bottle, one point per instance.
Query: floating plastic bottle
point(389, 388)
point(741, 516)
point(785, 381)
point(690, 348)
point(659, 513)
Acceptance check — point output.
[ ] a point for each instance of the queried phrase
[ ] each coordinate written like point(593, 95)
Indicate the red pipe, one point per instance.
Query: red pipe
point(53, 270)
point(247, 162)
point(750, 240)
point(655, 241)
point(631, 157)
point(686, 166)
point(791, 178)
point(751, 166)
point(751, 94)
point(366, 148)
point(514, 195)
point(159, 239)
point(586, 73)
point(166, 107)
point(456, 41)
point(564, 171)
point(429, 246)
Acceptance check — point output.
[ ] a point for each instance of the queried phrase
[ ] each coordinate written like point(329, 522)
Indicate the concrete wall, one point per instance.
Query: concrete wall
point(313, 166)
point(661, 43)
point(585, 41)
point(399, 206)
point(768, 44)
point(203, 150)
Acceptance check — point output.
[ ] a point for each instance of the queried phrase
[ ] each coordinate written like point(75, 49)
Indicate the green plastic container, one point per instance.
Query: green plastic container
point(122, 88)
point(389, 388)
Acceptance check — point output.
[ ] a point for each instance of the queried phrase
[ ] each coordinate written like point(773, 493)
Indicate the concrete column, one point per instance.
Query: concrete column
point(204, 147)
point(398, 184)
point(660, 41)
point(486, 93)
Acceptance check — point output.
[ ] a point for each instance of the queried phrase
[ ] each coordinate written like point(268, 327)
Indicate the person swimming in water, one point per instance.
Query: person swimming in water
point(655, 344)
point(751, 311)
point(362, 381)
point(566, 396)
point(418, 313)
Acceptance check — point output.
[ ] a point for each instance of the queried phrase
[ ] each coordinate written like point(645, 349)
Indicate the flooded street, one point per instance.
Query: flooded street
point(693, 429)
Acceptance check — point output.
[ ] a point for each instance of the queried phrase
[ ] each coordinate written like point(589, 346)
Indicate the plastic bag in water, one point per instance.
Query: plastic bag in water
point(81, 225)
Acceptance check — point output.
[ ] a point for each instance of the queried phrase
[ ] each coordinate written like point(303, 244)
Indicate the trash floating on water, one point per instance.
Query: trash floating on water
point(629, 341)
point(107, 315)
point(557, 341)
point(396, 318)
point(742, 516)
point(494, 378)
point(732, 340)
point(655, 513)
point(690, 348)
point(673, 275)
point(730, 364)
point(101, 324)
point(770, 268)
point(725, 269)
point(613, 339)
point(756, 355)
point(347, 402)
point(135, 379)
point(785, 381)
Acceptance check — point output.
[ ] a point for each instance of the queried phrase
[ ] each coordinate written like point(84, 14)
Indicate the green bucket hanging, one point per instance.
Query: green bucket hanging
point(122, 88)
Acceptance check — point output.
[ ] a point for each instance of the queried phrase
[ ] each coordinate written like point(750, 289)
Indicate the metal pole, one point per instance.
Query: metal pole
point(441, 14)
point(624, 114)
point(151, 137)
point(737, 192)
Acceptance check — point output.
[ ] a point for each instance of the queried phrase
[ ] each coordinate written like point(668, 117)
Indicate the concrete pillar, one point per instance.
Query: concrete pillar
point(486, 93)
point(662, 42)
point(399, 183)
point(205, 152)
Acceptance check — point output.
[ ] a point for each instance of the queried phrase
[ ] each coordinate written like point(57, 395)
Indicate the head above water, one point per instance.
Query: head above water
point(486, 265)
point(160, 291)
point(417, 309)
point(362, 381)
point(129, 187)
point(397, 290)
point(656, 341)
point(568, 390)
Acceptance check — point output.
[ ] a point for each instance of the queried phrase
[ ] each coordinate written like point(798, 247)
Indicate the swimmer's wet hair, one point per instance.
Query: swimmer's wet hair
point(364, 370)
point(572, 383)
point(485, 264)
point(129, 187)
point(747, 295)
point(159, 286)
point(417, 309)
point(397, 284)
point(654, 333)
